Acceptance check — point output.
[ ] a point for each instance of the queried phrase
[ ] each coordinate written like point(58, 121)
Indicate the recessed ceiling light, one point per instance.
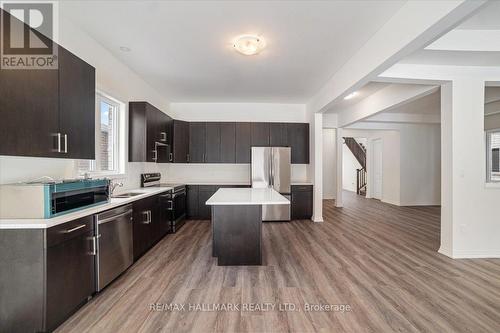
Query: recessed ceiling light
point(351, 95)
point(124, 49)
point(249, 44)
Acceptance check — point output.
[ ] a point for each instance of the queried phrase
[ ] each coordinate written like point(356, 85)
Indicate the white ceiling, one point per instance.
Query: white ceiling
point(183, 48)
point(430, 104)
point(453, 58)
point(486, 18)
point(450, 48)
point(367, 90)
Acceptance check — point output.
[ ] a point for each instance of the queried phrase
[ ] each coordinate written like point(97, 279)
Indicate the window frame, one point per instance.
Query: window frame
point(118, 138)
point(489, 155)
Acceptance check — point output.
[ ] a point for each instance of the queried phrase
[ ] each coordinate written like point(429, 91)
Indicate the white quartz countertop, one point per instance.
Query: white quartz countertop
point(247, 196)
point(47, 223)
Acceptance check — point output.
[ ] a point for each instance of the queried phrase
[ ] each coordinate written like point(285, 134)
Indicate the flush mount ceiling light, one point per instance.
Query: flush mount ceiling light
point(351, 95)
point(249, 44)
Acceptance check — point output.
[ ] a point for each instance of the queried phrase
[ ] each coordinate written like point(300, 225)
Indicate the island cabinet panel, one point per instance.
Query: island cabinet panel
point(227, 143)
point(180, 147)
point(298, 140)
point(237, 243)
point(243, 142)
point(278, 135)
point(212, 143)
point(260, 134)
point(197, 136)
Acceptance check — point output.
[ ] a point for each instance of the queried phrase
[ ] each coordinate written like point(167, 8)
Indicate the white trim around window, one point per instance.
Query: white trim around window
point(114, 166)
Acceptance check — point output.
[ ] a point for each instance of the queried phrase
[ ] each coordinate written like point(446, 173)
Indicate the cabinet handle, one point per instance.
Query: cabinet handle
point(58, 136)
point(148, 217)
point(65, 143)
point(187, 157)
point(163, 136)
point(73, 229)
point(155, 157)
point(170, 157)
point(94, 245)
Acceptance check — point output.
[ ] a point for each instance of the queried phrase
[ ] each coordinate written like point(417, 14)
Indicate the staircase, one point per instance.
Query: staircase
point(359, 152)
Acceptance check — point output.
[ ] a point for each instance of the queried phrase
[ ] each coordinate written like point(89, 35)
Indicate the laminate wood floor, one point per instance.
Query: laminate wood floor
point(379, 259)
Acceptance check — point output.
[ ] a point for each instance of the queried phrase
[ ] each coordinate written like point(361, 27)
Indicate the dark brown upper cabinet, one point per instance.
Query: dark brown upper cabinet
point(227, 143)
point(212, 143)
point(298, 139)
point(260, 134)
point(243, 142)
point(76, 106)
point(149, 134)
point(197, 142)
point(180, 148)
point(29, 104)
point(50, 112)
point(278, 135)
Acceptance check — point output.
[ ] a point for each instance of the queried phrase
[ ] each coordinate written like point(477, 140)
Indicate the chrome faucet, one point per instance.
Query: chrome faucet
point(113, 186)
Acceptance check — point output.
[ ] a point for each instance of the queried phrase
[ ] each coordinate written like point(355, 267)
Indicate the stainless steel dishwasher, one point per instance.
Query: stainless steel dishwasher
point(114, 244)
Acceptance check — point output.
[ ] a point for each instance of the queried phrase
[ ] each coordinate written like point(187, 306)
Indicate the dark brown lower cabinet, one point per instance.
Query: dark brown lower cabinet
point(70, 278)
point(302, 202)
point(192, 201)
point(46, 275)
point(204, 193)
point(197, 195)
point(150, 224)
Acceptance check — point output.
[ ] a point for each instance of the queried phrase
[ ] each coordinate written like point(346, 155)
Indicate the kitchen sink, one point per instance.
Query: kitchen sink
point(126, 195)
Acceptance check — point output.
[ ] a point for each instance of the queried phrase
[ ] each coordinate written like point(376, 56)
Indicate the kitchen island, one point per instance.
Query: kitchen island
point(237, 223)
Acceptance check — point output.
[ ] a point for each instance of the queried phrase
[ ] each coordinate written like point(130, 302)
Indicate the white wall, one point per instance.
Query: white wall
point(264, 112)
point(220, 173)
point(419, 155)
point(420, 165)
point(329, 164)
point(472, 226)
point(349, 166)
point(391, 161)
point(113, 78)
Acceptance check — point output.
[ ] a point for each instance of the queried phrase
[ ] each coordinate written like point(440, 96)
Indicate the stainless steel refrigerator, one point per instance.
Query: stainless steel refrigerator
point(271, 168)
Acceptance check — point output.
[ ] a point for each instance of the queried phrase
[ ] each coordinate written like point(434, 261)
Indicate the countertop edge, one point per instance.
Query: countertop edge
point(6, 224)
point(279, 200)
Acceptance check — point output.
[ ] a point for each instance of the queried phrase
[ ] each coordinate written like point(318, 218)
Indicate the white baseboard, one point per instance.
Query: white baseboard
point(317, 219)
point(390, 202)
point(445, 251)
point(464, 254)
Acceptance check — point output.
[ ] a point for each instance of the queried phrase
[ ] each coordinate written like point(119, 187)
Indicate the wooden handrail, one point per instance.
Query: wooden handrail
point(357, 150)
